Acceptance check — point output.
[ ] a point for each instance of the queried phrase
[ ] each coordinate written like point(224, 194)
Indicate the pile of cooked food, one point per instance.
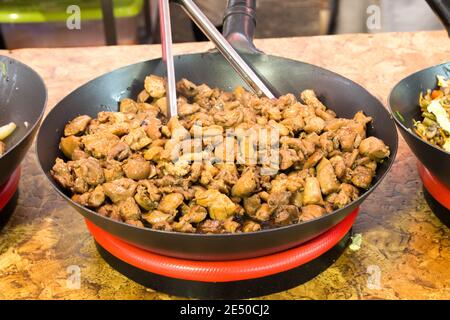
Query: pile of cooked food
point(5, 132)
point(435, 124)
point(121, 164)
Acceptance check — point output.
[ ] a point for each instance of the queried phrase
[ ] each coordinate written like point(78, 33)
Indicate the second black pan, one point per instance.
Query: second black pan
point(404, 104)
point(103, 93)
point(22, 100)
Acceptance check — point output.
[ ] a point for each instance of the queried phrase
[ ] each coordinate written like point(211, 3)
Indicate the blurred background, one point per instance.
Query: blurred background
point(67, 23)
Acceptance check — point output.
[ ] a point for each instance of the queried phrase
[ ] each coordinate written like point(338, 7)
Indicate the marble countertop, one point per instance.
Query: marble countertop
point(401, 238)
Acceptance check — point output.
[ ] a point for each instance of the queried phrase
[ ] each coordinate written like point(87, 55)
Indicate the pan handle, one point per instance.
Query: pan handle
point(442, 10)
point(239, 24)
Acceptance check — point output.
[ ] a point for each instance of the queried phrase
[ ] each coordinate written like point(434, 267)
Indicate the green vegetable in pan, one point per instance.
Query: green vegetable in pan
point(5, 131)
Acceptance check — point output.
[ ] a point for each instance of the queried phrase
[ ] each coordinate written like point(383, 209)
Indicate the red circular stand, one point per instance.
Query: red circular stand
point(436, 194)
point(437, 189)
point(218, 271)
point(9, 188)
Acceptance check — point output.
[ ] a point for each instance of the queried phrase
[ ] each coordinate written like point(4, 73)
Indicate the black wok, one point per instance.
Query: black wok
point(404, 104)
point(103, 93)
point(22, 100)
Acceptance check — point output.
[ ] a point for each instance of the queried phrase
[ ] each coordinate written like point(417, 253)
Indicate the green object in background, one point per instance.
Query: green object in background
point(28, 11)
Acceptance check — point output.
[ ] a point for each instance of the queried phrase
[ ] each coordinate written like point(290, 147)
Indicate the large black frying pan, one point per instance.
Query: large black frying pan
point(22, 100)
point(103, 93)
point(404, 104)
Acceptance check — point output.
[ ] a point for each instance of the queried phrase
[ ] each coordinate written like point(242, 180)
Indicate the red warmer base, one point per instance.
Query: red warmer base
point(228, 279)
point(9, 188)
point(436, 194)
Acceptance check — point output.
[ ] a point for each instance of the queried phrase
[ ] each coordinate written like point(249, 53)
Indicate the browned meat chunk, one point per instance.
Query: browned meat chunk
point(263, 213)
point(309, 97)
point(231, 226)
point(362, 177)
point(147, 195)
point(178, 169)
point(97, 197)
point(176, 129)
point(326, 176)
point(361, 118)
point(211, 226)
point(62, 174)
point(346, 138)
point(252, 204)
point(158, 217)
point(350, 158)
point(187, 88)
point(187, 109)
point(219, 205)
point(155, 86)
point(183, 226)
point(99, 144)
point(374, 148)
point(312, 193)
point(69, 144)
point(313, 159)
point(325, 115)
point(82, 199)
point(137, 139)
point(338, 164)
point(278, 198)
point(153, 153)
point(120, 151)
point(314, 124)
point(196, 214)
point(347, 194)
point(128, 106)
point(229, 118)
point(285, 215)
point(170, 202)
point(250, 226)
point(136, 223)
point(152, 128)
point(246, 185)
point(311, 211)
point(136, 168)
point(335, 124)
point(161, 104)
point(143, 96)
point(112, 170)
point(129, 210)
point(326, 142)
point(120, 189)
point(77, 125)
point(89, 170)
point(288, 158)
point(110, 211)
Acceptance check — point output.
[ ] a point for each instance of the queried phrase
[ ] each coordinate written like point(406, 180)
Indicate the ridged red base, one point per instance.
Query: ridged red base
point(226, 271)
point(9, 188)
point(439, 191)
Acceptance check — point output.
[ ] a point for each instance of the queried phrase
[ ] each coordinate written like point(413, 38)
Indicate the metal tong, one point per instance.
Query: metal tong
point(222, 45)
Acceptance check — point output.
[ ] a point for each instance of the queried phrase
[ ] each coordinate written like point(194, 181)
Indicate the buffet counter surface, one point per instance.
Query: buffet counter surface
point(405, 250)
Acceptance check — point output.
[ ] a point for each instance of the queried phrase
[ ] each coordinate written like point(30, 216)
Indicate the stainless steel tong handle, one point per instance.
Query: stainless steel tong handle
point(241, 67)
point(167, 57)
